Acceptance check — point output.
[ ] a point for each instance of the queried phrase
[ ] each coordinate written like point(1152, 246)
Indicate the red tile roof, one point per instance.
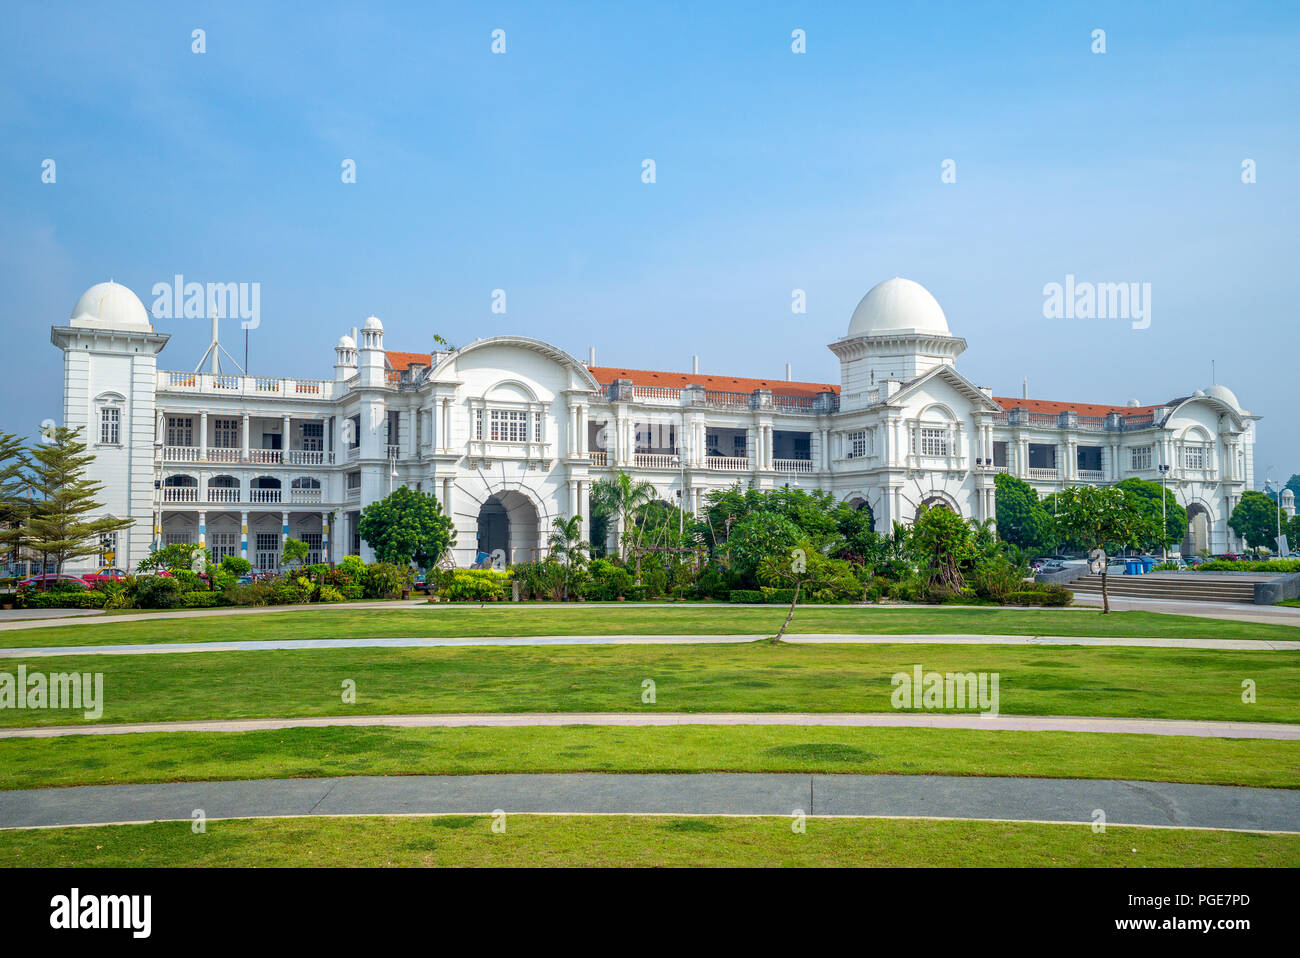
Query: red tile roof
point(1082, 408)
point(731, 384)
point(401, 361)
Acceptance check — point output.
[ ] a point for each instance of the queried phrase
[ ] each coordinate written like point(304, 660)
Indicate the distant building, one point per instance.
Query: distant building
point(510, 432)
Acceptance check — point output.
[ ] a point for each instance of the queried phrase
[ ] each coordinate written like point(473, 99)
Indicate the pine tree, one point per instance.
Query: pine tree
point(60, 526)
point(14, 495)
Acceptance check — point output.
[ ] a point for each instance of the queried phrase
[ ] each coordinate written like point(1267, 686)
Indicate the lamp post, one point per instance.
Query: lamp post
point(1164, 526)
point(1277, 492)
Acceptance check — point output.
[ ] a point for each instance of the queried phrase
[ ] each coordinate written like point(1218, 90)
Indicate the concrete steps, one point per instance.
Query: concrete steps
point(1187, 587)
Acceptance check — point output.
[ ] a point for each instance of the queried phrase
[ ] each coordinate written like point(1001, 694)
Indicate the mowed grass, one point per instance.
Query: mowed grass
point(622, 841)
point(321, 752)
point(755, 676)
point(582, 619)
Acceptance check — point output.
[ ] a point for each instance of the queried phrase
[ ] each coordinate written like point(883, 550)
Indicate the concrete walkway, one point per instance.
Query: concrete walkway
point(979, 722)
point(1236, 611)
point(891, 796)
point(280, 645)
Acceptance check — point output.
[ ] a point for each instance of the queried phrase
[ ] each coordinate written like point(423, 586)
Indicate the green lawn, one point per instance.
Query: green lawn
point(620, 841)
point(582, 619)
point(749, 677)
point(319, 752)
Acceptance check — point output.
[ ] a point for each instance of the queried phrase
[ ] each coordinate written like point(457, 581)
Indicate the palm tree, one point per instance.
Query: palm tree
point(622, 495)
point(568, 546)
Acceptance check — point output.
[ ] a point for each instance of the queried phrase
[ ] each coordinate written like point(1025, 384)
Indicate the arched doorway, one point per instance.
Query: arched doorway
point(507, 529)
point(1197, 539)
point(935, 500)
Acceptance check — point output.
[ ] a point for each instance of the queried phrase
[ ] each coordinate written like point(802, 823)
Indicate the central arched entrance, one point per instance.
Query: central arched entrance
point(1197, 540)
point(508, 528)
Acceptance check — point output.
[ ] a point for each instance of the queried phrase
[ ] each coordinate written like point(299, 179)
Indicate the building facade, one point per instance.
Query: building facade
point(510, 433)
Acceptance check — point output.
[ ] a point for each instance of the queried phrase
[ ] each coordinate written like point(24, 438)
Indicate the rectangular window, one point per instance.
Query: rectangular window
point(110, 426)
point(179, 538)
point(934, 442)
point(354, 480)
point(1140, 458)
point(313, 436)
point(537, 427)
point(999, 453)
point(108, 548)
point(180, 431)
point(508, 425)
point(223, 544)
point(352, 432)
point(225, 433)
point(1194, 457)
point(857, 444)
point(478, 424)
point(268, 542)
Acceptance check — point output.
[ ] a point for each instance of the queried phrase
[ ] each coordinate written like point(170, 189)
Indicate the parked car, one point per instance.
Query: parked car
point(420, 585)
point(105, 573)
point(49, 578)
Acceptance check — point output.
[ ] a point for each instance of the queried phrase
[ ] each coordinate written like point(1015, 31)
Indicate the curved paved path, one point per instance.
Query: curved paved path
point(272, 645)
point(1026, 723)
point(893, 796)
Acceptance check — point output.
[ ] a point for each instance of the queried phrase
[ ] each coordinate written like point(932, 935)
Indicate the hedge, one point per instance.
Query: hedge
point(1049, 595)
point(32, 599)
point(474, 585)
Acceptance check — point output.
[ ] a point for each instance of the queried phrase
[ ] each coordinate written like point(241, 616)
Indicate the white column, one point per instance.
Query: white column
point(284, 452)
point(243, 535)
point(584, 507)
point(203, 435)
point(243, 432)
point(203, 530)
point(326, 541)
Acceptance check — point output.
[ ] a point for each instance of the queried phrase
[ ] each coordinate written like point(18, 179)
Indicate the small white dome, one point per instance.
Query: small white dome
point(373, 324)
point(345, 342)
point(898, 305)
point(110, 305)
point(1224, 395)
point(1288, 497)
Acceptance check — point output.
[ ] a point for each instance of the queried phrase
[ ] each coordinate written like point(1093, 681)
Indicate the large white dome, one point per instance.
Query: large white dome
point(895, 306)
point(110, 305)
point(1224, 395)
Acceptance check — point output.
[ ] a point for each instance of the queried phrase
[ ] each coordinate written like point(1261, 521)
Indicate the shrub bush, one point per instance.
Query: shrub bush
point(60, 599)
point(254, 593)
point(1250, 565)
point(383, 580)
point(67, 585)
point(353, 566)
point(327, 593)
point(607, 582)
point(746, 595)
point(474, 585)
point(157, 592)
point(202, 600)
point(236, 565)
point(291, 591)
point(1048, 595)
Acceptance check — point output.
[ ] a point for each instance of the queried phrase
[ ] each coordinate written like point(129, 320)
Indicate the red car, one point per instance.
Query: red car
point(49, 579)
point(105, 573)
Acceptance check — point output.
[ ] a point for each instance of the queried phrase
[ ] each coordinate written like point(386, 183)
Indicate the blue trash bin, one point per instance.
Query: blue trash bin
point(1132, 567)
point(1148, 563)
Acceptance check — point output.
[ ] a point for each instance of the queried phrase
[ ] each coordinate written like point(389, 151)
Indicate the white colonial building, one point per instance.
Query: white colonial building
point(510, 432)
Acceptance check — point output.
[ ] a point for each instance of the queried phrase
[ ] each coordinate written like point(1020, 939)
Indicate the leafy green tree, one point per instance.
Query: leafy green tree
point(622, 496)
point(178, 555)
point(568, 547)
point(1105, 517)
point(944, 544)
point(61, 526)
point(1255, 519)
point(1022, 519)
point(405, 527)
point(1146, 497)
point(294, 553)
point(15, 499)
point(758, 536)
point(802, 567)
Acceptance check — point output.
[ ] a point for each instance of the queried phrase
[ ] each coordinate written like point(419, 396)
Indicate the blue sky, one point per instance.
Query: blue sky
point(775, 171)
